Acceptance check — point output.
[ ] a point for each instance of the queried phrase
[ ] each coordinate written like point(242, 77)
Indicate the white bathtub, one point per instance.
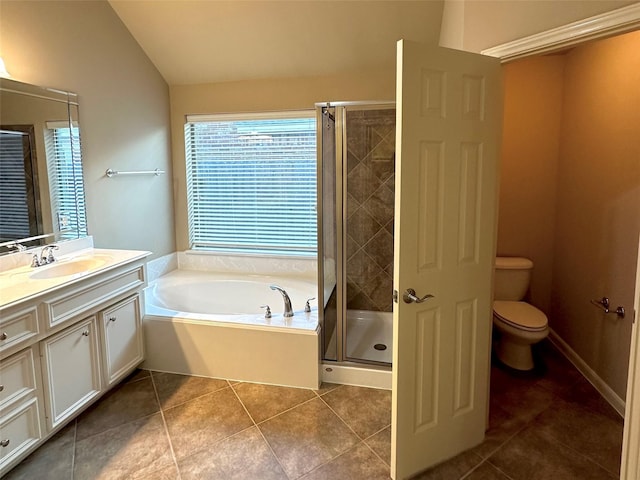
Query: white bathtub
point(211, 324)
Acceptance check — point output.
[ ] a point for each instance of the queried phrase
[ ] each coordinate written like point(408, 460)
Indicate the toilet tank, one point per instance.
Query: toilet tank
point(512, 276)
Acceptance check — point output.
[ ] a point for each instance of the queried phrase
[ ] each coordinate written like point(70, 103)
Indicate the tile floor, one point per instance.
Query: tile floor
point(547, 424)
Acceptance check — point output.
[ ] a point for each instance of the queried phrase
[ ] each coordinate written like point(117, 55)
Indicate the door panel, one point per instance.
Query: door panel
point(448, 125)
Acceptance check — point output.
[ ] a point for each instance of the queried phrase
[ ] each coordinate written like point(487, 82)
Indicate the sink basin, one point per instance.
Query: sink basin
point(71, 267)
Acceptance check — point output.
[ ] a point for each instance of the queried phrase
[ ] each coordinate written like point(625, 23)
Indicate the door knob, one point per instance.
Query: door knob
point(409, 296)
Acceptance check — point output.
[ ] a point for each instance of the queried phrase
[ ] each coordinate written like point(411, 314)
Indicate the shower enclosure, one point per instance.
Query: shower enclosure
point(356, 164)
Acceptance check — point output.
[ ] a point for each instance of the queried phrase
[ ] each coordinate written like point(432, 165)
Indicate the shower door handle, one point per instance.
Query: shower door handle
point(409, 296)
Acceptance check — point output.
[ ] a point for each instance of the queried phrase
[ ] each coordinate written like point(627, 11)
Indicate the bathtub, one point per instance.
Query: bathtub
point(212, 324)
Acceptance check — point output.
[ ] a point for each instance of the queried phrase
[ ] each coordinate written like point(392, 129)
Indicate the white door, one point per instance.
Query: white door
point(449, 110)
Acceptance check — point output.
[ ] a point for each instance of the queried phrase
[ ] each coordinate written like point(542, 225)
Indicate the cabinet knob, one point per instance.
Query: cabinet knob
point(1, 388)
point(4, 442)
point(3, 336)
point(112, 319)
point(85, 333)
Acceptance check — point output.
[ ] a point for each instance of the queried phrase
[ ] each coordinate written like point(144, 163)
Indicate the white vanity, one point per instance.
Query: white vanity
point(69, 331)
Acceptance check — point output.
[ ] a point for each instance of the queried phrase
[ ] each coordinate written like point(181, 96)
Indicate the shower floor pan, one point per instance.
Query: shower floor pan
point(369, 335)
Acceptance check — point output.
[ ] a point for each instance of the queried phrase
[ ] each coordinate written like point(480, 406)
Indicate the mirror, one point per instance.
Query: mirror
point(41, 185)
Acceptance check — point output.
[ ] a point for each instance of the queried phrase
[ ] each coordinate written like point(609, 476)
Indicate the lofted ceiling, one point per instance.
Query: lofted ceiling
point(208, 41)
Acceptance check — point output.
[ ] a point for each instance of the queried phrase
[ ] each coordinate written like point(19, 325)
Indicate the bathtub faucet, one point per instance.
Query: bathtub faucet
point(288, 311)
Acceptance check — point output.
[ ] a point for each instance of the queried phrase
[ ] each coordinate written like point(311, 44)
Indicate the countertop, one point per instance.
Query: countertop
point(17, 285)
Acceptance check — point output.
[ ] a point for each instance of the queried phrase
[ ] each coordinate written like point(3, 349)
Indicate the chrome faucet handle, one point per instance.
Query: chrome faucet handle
point(267, 312)
point(50, 248)
point(35, 261)
point(46, 255)
point(18, 247)
point(307, 307)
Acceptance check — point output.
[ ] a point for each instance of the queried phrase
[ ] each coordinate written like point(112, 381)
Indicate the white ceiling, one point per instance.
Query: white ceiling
point(207, 41)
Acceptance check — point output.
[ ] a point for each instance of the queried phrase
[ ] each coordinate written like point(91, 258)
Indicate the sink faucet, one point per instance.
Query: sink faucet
point(288, 311)
point(46, 256)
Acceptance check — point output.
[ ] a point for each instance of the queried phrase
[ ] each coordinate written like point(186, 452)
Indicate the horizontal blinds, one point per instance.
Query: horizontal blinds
point(65, 180)
point(251, 184)
point(14, 210)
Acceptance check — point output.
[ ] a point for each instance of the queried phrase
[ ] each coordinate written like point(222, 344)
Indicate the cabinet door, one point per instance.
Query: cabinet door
point(122, 338)
point(71, 368)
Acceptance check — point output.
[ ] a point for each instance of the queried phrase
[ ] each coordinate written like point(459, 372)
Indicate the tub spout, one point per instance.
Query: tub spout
point(288, 311)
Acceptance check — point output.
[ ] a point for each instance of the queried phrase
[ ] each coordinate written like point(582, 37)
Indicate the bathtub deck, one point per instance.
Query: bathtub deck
point(250, 353)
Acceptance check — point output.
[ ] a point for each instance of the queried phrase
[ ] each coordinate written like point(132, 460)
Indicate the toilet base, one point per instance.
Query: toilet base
point(515, 355)
point(513, 347)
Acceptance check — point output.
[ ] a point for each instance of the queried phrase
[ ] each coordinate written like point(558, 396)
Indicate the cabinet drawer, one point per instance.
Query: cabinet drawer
point(17, 327)
point(74, 303)
point(20, 429)
point(17, 378)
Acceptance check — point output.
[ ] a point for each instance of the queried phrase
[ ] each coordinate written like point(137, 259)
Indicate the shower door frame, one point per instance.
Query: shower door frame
point(340, 114)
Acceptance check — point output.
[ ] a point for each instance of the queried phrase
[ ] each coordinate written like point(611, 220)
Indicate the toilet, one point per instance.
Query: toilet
point(519, 323)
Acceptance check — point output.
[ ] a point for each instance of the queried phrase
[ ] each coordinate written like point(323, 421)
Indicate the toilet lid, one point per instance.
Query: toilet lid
point(520, 315)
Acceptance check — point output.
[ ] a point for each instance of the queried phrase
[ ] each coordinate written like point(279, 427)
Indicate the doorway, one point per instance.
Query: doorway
point(560, 209)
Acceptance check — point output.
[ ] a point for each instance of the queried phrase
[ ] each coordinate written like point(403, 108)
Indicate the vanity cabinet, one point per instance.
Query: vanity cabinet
point(65, 346)
point(121, 329)
point(71, 368)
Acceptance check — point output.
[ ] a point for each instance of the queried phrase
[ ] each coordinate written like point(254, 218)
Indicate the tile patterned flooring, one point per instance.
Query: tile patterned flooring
point(547, 424)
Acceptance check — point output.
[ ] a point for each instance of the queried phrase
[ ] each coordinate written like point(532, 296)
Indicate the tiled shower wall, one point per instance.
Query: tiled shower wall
point(370, 202)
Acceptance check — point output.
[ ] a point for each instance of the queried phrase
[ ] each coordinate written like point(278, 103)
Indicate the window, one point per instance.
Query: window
point(251, 183)
point(64, 165)
point(20, 216)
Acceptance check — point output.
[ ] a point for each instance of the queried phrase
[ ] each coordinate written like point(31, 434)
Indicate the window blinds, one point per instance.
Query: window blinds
point(66, 189)
point(14, 209)
point(251, 183)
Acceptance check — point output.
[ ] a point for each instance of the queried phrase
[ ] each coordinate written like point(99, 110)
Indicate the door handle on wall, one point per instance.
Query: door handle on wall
point(604, 305)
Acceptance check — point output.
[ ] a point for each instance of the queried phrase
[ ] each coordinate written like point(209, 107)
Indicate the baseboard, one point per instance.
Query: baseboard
point(356, 376)
point(607, 393)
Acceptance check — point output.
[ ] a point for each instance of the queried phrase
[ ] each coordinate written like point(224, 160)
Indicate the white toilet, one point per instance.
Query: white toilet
point(519, 323)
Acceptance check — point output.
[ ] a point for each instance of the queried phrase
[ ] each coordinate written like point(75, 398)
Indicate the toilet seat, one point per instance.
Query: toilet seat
point(520, 315)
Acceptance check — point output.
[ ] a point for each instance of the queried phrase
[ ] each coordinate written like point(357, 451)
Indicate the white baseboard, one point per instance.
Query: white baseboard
point(356, 376)
point(605, 390)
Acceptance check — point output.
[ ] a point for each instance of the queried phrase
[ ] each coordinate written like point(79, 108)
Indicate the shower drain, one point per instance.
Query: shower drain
point(380, 346)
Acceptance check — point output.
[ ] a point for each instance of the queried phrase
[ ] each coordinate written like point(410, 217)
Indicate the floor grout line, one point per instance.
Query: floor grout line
point(73, 455)
point(287, 410)
point(166, 427)
point(196, 397)
point(260, 431)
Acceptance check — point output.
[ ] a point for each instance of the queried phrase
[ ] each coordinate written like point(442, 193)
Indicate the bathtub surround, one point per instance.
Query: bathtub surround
point(306, 267)
point(212, 262)
point(211, 324)
point(161, 266)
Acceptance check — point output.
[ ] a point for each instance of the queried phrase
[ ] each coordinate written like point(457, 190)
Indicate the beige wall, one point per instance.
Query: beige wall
point(487, 23)
point(531, 135)
point(124, 111)
point(598, 209)
point(261, 96)
point(570, 191)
